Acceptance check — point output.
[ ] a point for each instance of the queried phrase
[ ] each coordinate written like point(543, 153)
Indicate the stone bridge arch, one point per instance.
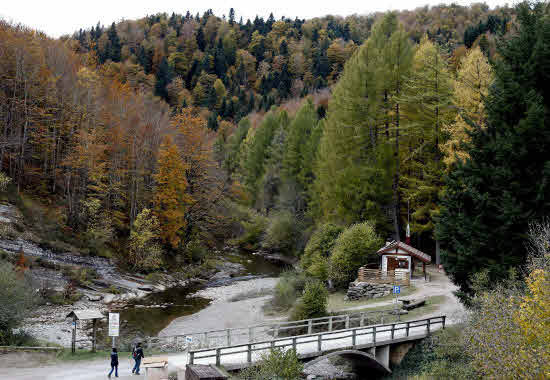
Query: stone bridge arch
point(361, 361)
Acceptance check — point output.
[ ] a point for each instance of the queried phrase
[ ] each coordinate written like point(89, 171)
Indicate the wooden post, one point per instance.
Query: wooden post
point(95, 334)
point(392, 330)
point(309, 326)
point(330, 323)
point(424, 270)
point(319, 342)
point(347, 321)
point(407, 329)
point(276, 331)
point(73, 345)
point(191, 357)
point(374, 334)
point(428, 325)
point(353, 337)
point(218, 356)
point(443, 322)
point(206, 339)
point(228, 337)
point(294, 344)
point(249, 354)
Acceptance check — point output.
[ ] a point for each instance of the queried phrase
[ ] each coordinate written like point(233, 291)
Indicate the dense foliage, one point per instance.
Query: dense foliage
point(313, 303)
point(234, 66)
point(277, 364)
point(503, 184)
point(356, 246)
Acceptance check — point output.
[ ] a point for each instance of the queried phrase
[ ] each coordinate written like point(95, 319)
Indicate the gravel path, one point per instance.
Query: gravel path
point(439, 285)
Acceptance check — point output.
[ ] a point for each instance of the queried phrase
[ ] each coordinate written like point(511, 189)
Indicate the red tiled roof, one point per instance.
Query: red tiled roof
point(390, 248)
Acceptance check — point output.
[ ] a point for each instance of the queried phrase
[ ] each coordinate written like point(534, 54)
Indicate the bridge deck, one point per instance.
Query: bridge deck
point(312, 345)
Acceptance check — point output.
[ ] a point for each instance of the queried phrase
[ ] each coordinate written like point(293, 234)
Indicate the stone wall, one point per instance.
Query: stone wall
point(366, 290)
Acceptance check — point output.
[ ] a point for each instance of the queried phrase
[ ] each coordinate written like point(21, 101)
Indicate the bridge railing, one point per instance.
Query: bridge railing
point(296, 342)
point(265, 331)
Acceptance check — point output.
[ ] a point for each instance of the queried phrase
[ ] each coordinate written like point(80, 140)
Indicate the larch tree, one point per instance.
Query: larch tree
point(170, 199)
point(471, 88)
point(426, 104)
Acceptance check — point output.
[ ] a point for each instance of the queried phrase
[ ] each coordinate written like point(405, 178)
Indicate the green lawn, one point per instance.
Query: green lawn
point(432, 304)
point(336, 300)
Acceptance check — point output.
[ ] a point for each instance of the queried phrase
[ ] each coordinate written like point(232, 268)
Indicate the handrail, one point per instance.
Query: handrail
point(319, 338)
point(275, 327)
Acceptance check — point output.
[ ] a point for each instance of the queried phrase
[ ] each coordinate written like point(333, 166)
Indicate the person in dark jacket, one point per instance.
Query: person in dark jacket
point(114, 362)
point(137, 354)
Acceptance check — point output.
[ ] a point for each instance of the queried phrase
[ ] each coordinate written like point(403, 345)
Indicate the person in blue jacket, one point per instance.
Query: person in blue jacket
point(137, 354)
point(114, 362)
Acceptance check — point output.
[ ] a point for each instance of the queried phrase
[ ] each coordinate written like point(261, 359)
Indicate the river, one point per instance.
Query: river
point(149, 315)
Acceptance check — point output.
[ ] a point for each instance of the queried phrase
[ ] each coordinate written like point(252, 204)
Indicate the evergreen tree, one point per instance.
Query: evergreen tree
point(213, 121)
point(231, 16)
point(295, 167)
point(201, 42)
point(491, 197)
point(114, 44)
point(257, 153)
point(163, 78)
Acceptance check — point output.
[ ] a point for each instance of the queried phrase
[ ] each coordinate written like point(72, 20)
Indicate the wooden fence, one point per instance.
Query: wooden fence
point(295, 341)
point(377, 276)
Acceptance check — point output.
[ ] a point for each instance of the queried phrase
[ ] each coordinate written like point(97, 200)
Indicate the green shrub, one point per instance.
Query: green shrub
point(281, 233)
point(442, 355)
point(195, 251)
point(278, 364)
point(315, 258)
point(16, 299)
point(313, 303)
point(290, 286)
point(356, 246)
point(254, 229)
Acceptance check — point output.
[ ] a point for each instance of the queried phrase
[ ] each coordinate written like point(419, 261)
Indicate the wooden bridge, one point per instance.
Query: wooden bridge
point(375, 345)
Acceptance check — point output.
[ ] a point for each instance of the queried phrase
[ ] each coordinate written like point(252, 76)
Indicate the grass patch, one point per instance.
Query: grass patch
point(336, 300)
point(255, 293)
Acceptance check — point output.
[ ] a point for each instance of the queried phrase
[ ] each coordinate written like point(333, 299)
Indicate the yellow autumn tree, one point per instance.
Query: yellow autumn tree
point(533, 318)
point(470, 90)
point(171, 200)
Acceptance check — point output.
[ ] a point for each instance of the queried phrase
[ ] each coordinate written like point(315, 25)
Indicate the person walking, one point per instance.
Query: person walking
point(114, 362)
point(137, 354)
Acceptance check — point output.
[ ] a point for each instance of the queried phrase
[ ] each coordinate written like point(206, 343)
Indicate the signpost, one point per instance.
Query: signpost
point(396, 291)
point(114, 324)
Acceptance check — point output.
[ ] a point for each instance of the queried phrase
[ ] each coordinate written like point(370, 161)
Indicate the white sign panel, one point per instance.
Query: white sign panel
point(113, 324)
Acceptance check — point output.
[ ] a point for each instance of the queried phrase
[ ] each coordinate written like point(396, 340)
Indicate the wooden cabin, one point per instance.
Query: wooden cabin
point(400, 257)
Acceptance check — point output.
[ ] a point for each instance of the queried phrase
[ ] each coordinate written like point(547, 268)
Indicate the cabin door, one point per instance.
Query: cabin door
point(393, 263)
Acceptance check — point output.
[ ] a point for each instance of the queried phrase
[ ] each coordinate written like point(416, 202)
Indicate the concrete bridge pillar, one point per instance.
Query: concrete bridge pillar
point(382, 354)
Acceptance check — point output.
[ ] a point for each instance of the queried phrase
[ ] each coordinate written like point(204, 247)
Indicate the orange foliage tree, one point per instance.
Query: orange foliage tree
point(171, 200)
